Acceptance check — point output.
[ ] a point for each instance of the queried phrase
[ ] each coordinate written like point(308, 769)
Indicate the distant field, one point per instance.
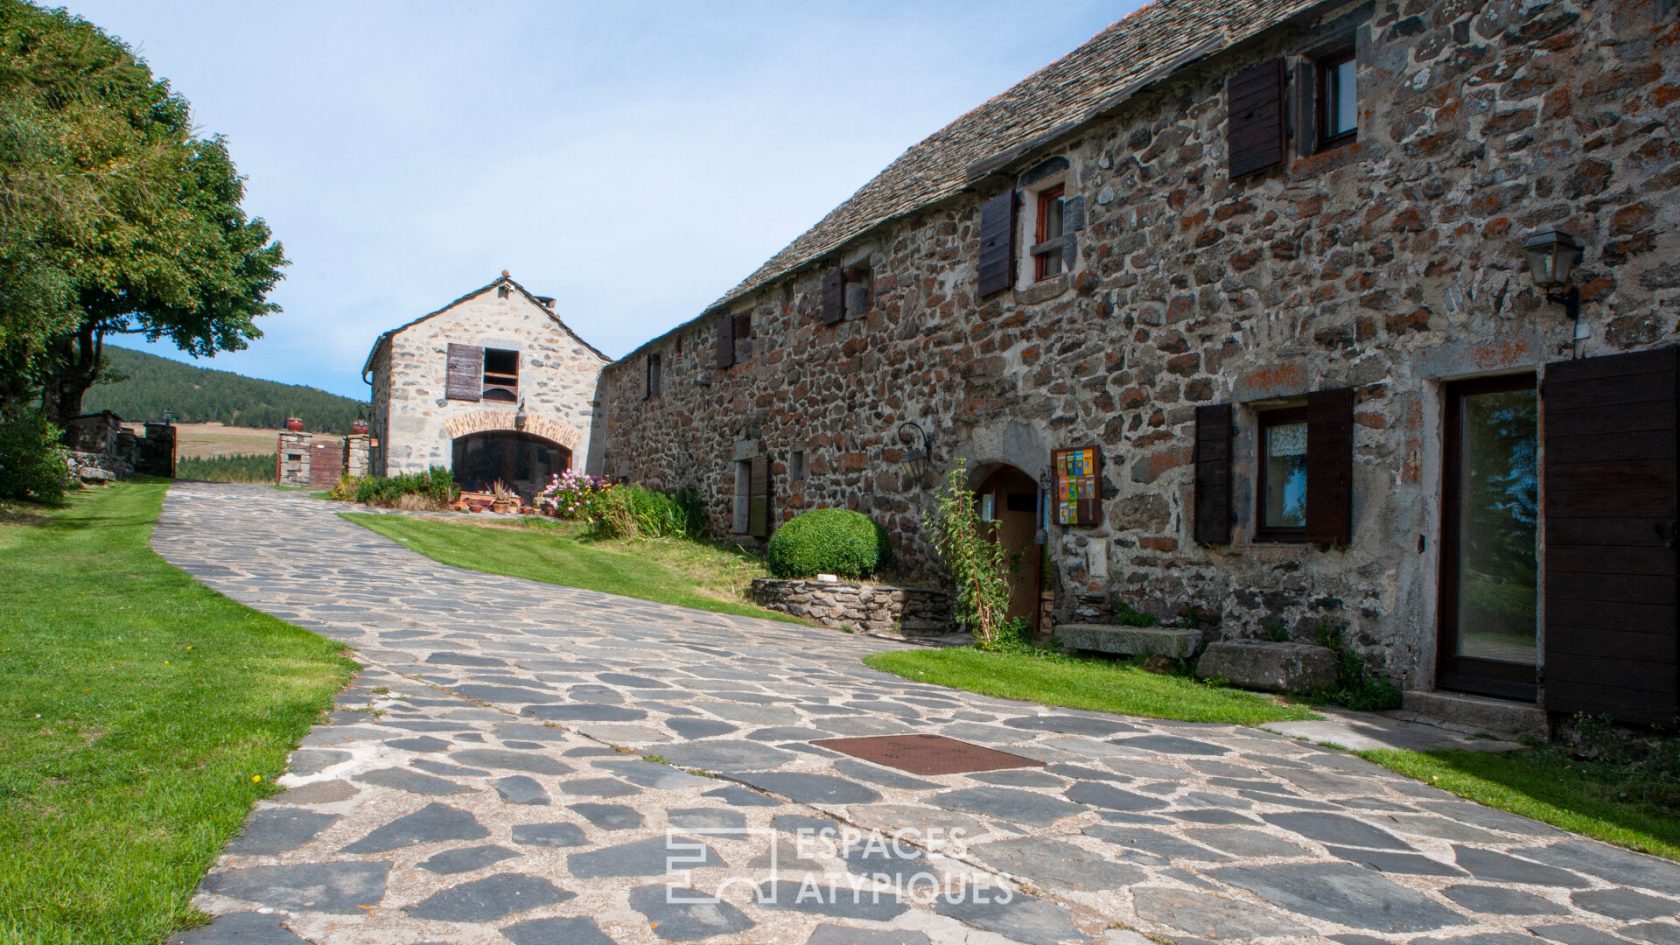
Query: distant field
point(204, 440)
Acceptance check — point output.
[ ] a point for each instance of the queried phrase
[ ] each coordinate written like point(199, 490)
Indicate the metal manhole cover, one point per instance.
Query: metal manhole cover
point(927, 754)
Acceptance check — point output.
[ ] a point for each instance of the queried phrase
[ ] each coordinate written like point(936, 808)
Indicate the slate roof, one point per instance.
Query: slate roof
point(1112, 67)
point(503, 278)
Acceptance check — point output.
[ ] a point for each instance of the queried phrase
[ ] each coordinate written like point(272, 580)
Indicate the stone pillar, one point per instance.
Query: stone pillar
point(292, 467)
point(157, 450)
point(356, 455)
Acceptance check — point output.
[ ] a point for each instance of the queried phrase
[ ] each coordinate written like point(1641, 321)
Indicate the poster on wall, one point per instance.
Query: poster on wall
point(1077, 488)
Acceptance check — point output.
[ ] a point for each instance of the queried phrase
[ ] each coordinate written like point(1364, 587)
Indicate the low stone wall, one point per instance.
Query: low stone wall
point(872, 608)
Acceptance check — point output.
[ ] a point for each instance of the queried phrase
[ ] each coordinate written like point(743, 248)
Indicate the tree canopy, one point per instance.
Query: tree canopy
point(115, 218)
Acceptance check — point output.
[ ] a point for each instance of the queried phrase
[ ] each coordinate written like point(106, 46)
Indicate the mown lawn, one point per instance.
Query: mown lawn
point(1085, 684)
point(140, 716)
point(669, 571)
point(1596, 798)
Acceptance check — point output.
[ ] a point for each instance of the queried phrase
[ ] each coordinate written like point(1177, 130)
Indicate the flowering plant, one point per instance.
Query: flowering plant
point(571, 494)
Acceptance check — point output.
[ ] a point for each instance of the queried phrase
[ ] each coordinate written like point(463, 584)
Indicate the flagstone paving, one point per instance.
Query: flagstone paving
point(539, 765)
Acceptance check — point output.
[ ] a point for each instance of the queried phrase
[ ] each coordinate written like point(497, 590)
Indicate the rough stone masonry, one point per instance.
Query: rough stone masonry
point(1388, 265)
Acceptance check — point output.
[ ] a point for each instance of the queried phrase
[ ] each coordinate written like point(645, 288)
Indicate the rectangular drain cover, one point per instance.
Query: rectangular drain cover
point(927, 754)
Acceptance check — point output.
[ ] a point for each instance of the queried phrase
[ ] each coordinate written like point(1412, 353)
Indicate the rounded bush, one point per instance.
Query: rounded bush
point(828, 541)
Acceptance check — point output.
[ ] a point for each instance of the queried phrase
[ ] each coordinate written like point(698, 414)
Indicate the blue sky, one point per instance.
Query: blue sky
point(635, 160)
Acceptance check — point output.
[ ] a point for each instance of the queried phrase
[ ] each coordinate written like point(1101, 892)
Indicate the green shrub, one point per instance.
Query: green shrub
point(33, 464)
point(240, 467)
point(436, 485)
point(347, 488)
point(640, 512)
point(1356, 686)
point(828, 541)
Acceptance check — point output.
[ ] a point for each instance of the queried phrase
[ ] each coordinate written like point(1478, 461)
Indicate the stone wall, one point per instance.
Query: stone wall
point(102, 448)
point(292, 465)
point(1389, 265)
point(416, 424)
point(872, 608)
point(356, 455)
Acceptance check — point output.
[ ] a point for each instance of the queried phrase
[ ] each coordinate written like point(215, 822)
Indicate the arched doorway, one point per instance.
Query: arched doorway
point(1009, 499)
point(520, 460)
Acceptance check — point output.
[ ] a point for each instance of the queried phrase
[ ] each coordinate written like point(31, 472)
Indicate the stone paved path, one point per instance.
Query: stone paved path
point(484, 782)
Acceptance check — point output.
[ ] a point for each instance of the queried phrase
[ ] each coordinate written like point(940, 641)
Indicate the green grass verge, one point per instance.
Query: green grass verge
point(1544, 783)
point(1054, 679)
point(685, 573)
point(136, 708)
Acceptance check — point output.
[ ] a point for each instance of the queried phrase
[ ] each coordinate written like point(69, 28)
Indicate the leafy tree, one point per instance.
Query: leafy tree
point(124, 220)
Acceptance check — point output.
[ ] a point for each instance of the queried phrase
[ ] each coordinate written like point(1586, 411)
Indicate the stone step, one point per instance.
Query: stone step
point(1296, 668)
point(1477, 713)
point(1176, 642)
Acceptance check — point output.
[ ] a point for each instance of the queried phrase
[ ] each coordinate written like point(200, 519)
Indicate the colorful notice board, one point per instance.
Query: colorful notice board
point(1078, 485)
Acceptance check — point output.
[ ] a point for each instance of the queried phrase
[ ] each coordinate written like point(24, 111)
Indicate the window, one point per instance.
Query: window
point(654, 367)
point(1338, 99)
point(1047, 233)
point(743, 337)
point(1282, 491)
point(796, 465)
point(859, 289)
point(501, 375)
point(743, 496)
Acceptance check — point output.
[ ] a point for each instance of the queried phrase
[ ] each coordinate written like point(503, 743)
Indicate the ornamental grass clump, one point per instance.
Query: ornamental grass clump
point(828, 541)
point(628, 511)
point(979, 566)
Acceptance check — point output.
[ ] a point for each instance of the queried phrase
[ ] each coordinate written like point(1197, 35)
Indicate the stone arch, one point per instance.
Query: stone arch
point(486, 421)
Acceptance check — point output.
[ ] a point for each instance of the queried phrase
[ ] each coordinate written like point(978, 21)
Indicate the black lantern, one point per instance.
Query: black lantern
point(918, 446)
point(1552, 256)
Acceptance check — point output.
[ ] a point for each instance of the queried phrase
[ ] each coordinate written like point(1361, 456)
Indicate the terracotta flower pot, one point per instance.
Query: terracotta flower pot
point(294, 424)
point(358, 427)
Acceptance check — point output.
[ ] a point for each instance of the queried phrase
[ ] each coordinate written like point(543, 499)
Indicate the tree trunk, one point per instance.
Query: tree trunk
point(75, 370)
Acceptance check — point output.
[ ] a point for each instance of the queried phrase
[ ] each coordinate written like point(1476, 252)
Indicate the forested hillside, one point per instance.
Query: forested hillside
point(149, 385)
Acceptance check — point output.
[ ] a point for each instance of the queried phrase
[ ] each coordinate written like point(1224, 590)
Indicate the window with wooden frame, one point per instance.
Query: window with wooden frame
point(1281, 487)
point(743, 337)
point(1048, 229)
point(655, 380)
point(501, 375)
point(1337, 93)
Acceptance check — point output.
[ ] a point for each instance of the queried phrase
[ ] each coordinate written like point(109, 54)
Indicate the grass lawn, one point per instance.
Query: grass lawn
point(138, 709)
point(685, 573)
point(1085, 684)
point(1596, 799)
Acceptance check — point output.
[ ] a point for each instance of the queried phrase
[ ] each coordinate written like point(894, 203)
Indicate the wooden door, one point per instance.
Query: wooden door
point(1010, 498)
point(1610, 448)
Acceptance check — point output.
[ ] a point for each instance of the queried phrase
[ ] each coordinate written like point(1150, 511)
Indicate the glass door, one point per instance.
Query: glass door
point(1489, 556)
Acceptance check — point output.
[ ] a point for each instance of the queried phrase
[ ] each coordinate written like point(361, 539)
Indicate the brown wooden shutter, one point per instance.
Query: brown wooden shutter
point(465, 380)
point(758, 498)
point(1213, 474)
point(1610, 573)
point(997, 243)
point(833, 295)
point(1255, 128)
point(725, 340)
point(1330, 466)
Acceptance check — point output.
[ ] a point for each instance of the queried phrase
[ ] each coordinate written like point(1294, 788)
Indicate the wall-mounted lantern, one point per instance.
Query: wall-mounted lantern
point(1552, 256)
point(520, 417)
point(918, 447)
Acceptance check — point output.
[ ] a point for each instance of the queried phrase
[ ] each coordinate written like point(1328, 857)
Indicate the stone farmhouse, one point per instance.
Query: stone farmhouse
point(493, 385)
point(1280, 317)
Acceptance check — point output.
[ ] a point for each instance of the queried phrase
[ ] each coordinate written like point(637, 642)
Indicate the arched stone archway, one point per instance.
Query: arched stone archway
point(485, 421)
point(523, 461)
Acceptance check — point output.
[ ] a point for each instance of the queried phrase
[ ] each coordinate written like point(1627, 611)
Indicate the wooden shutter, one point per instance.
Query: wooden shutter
point(997, 243)
point(465, 379)
point(1609, 569)
point(1330, 466)
point(833, 295)
point(758, 498)
point(1254, 129)
point(725, 340)
point(1213, 474)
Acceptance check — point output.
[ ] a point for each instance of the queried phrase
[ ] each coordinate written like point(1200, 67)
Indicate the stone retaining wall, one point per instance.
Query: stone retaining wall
point(872, 608)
